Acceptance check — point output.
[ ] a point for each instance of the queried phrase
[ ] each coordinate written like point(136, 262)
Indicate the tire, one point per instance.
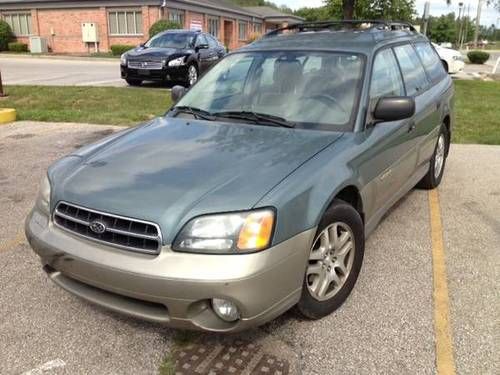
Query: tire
point(445, 65)
point(189, 79)
point(340, 218)
point(134, 82)
point(433, 178)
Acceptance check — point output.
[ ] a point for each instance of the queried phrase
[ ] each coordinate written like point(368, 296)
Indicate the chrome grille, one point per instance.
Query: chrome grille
point(131, 234)
point(149, 65)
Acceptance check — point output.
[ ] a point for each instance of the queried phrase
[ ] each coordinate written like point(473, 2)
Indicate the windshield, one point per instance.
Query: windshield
point(310, 89)
point(170, 40)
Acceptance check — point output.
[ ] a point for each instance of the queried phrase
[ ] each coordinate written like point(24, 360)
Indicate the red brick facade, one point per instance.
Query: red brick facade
point(63, 28)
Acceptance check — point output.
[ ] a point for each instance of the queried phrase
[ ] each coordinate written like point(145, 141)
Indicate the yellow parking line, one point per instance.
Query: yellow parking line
point(445, 362)
point(12, 243)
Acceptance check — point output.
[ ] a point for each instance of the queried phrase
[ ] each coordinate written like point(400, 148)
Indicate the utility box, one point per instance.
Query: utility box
point(38, 45)
point(90, 32)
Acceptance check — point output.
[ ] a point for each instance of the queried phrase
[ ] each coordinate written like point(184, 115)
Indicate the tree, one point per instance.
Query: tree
point(403, 10)
point(313, 14)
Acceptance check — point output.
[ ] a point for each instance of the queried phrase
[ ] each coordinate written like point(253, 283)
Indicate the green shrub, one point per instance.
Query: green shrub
point(163, 25)
point(18, 47)
point(6, 35)
point(119, 49)
point(478, 57)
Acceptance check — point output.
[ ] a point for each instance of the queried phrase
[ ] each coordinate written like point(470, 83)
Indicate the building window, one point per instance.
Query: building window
point(125, 22)
point(213, 26)
point(20, 23)
point(257, 28)
point(176, 15)
point(242, 30)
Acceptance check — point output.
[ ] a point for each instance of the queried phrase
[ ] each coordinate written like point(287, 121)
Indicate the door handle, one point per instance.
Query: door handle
point(411, 127)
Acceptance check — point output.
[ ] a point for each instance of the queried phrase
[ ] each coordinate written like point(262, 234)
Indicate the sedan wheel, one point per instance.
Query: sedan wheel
point(330, 261)
point(192, 75)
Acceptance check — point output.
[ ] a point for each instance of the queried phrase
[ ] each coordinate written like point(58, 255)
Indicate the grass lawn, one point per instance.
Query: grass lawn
point(477, 107)
point(97, 105)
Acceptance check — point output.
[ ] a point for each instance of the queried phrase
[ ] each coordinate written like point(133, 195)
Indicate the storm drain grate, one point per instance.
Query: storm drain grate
point(233, 358)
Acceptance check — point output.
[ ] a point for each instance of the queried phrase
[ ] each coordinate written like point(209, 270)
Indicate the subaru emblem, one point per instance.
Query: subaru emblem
point(98, 227)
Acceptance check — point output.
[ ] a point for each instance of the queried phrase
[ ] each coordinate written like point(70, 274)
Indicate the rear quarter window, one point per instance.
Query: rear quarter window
point(431, 61)
point(414, 75)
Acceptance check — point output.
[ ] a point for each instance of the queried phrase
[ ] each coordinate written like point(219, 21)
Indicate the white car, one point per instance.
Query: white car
point(452, 60)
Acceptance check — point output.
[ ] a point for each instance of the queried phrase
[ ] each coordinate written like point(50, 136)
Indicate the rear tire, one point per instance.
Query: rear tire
point(134, 82)
point(445, 65)
point(438, 162)
point(330, 259)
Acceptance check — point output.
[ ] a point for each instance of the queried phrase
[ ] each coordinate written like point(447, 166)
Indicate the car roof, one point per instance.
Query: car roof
point(321, 36)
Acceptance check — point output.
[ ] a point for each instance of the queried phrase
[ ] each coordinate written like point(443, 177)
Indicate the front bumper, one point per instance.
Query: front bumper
point(165, 74)
point(173, 288)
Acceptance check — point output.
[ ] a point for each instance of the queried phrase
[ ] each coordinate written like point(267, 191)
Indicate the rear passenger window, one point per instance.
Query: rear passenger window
point(413, 72)
point(386, 78)
point(431, 61)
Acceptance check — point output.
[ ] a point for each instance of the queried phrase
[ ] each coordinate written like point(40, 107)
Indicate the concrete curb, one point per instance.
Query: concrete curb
point(7, 115)
point(59, 57)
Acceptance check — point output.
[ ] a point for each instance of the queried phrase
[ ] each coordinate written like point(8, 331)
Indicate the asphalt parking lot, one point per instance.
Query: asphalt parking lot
point(385, 327)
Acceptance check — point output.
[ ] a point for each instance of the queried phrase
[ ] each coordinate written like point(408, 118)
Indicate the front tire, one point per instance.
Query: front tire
point(134, 82)
point(438, 161)
point(334, 261)
point(192, 75)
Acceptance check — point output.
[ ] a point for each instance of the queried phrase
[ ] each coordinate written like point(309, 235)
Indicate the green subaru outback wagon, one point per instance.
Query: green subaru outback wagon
point(257, 189)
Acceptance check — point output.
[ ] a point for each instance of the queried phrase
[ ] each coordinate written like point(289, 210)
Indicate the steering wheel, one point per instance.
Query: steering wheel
point(327, 98)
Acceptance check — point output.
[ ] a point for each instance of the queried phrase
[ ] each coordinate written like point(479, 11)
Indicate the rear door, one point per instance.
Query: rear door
point(435, 97)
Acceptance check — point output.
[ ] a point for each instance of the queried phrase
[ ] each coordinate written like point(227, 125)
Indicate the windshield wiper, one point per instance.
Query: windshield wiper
point(256, 118)
point(197, 113)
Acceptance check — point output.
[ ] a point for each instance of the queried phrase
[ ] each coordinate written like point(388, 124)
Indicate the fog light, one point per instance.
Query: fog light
point(226, 310)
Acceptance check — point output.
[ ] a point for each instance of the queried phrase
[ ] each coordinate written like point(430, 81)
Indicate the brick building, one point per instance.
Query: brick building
point(128, 21)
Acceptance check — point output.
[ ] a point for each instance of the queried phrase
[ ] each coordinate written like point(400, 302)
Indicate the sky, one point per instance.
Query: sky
point(438, 7)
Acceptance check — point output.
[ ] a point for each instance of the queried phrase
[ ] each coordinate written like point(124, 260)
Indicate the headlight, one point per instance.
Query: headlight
point(177, 62)
point(43, 200)
point(240, 232)
point(458, 57)
point(123, 59)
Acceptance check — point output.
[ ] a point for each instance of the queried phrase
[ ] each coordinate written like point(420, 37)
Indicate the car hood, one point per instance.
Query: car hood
point(171, 170)
point(152, 53)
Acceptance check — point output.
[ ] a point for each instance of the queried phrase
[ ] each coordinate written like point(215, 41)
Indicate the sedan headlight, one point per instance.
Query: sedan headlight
point(232, 233)
point(43, 200)
point(458, 57)
point(123, 59)
point(177, 62)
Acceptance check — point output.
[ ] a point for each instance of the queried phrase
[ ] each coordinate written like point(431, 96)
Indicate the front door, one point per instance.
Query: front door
point(228, 34)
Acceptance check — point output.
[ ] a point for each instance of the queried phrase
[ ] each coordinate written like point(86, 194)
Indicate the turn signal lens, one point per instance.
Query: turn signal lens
point(256, 232)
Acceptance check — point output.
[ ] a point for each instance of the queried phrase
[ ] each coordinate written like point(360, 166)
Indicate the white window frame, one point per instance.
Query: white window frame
point(176, 15)
point(135, 31)
point(18, 15)
point(245, 28)
point(214, 21)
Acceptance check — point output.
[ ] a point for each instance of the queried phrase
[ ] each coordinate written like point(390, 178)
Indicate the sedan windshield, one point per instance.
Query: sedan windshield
point(170, 40)
point(307, 89)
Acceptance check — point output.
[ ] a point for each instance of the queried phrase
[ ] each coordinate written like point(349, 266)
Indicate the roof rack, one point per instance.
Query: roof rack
point(354, 24)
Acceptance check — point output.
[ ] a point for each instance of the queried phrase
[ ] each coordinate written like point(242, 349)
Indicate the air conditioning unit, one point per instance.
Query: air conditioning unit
point(38, 44)
point(90, 32)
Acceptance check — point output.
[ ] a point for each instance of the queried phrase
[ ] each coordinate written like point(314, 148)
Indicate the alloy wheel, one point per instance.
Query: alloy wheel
point(192, 75)
point(330, 261)
point(439, 157)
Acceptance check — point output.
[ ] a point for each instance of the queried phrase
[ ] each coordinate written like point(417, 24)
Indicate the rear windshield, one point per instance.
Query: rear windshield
point(311, 89)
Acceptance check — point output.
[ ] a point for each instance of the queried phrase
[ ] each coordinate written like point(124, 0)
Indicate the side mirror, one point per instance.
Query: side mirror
point(393, 108)
point(177, 93)
point(201, 46)
point(142, 45)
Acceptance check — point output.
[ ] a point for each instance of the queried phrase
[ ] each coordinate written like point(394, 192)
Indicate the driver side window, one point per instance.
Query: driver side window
point(386, 77)
point(201, 40)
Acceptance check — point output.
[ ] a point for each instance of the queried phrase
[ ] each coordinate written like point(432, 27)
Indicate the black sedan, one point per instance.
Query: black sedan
point(174, 55)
